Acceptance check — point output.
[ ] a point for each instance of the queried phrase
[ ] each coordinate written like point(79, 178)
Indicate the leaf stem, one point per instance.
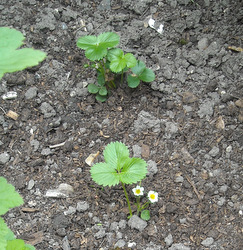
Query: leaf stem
point(122, 77)
point(128, 202)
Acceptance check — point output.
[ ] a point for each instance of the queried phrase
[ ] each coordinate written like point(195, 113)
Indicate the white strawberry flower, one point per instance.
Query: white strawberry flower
point(153, 196)
point(138, 191)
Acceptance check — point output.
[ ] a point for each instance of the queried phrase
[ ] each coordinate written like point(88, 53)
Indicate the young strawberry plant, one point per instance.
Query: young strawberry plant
point(9, 198)
point(111, 62)
point(13, 59)
point(119, 168)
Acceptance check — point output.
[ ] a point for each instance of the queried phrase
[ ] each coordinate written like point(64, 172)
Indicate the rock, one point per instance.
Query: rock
point(137, 151)
point(179, 246)
point(179, 179)
point(207, 242)
point(214, 151)
point(145, 151)
point(171, 208)
point(169, 240)
point(203, 43)
point(122, 224)
point(47, 110)
point(188, 98)
point(221, 201)
point(63, 191)
point(100, 234)
point(146, 121)
point(137, 223)
point(31, 184)
point(31, 93)
point(82, 206)
point(239, 103)
point(71, 210)
point(205, 109)
point(104, 5)
point(60, 221)
point(120, 243)
point(65, 244)
point(152, 168)
point(4, 158)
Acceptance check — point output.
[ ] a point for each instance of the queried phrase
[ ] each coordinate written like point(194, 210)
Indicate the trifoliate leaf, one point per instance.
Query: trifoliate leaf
point(9, 198)
point(118, 167)
point(104, 174)
point(115, 153)
point(103, 91)
point(93, 89)
point(119, 61)
point(147, 75)
point(96, 47)
point(139, 68)
point(132, 81)
point(133, 170)
point(145, 215)
point(10, 38)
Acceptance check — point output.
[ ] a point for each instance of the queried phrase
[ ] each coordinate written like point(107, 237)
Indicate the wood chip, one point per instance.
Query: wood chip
point(12, 115)
point(234, 48)
point(90, 159)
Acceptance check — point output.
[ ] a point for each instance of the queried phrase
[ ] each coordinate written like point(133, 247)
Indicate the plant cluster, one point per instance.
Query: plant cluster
point(13, 59)
point(120, 168)
point(110, 62)
point(9, 198)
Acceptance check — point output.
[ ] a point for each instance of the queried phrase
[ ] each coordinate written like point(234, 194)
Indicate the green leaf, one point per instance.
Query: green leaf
point(133, 170)
point(108, 39)
point(104, 174)
point(145, 215)
point(118, 167)
point(12, 60)
point(4, 232)
point(147, 75)
point(9, 198)
point(18, 244)
point(119, 61)
point(100, 79)
point(115, 153)
point(16, 60)
point(139, 68)
point(100, 98)
point(103, 91)
point(92, 88)
point(132, 81)
point(96, 47)
point(10, 38)
point(131, 61)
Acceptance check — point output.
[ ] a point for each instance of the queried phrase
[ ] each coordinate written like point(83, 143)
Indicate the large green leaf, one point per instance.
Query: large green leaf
point(18, 244)
point(108, 39)
point(9, 198)
point(96, 47)
point(104, 174)
point(16, 60)
point(143, 73)
point(133, 170)
point(10, 38)
point(12, 60)
point(118, 167)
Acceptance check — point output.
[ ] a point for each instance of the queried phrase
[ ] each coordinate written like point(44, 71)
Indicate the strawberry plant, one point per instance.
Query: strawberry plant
point(119, 168)
point(13, 59)
point(111, 62)
point(9, 198)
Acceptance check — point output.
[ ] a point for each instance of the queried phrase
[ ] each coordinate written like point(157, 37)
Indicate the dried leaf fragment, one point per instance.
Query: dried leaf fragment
point(234, 48)
point(220, 123)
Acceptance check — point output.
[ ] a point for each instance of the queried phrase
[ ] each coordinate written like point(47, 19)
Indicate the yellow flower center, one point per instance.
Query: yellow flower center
point(138, 191)
point(152, 196)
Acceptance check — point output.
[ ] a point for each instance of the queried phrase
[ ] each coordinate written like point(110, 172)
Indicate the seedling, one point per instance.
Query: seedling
point(120, 168)
point(9, 198)
point(111, 62)
point(13, 59)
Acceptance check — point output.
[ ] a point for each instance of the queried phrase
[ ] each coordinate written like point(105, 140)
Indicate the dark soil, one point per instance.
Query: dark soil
point(187, 125)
